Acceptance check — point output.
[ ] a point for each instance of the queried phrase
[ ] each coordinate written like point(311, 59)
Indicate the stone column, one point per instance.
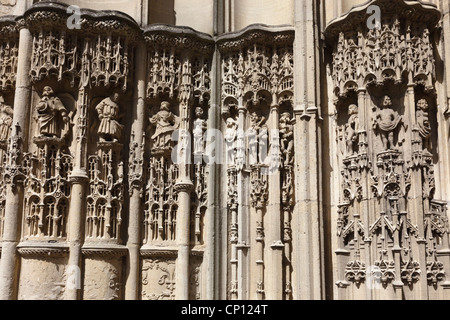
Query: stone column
point(14, 188)
point(243, 223)
point(76, 218)
point(416, 193)
point(307, 212)
point(135, 179)
point(275, 263)
point(75, 235)
point(183, 187)
point(212, 250)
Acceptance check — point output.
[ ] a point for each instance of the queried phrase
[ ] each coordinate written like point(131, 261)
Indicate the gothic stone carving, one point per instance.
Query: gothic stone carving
point(6, 118)
point(158, 279)
point(109, 113)
point(52, 115)
point(387, 175)
point(8, 54)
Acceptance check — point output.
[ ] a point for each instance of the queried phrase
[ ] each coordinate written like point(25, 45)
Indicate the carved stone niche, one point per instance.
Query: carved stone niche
point(387, 116)
point(348, 126)
point(48, 165)
point(9, 50)
point(105, 198)
point(161, 174)
point(6, 119)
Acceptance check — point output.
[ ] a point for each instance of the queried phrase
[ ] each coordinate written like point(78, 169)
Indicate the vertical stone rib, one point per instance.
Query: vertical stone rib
point(135, 180)
point(275, 263)
point(14, 193)
point(307, 209)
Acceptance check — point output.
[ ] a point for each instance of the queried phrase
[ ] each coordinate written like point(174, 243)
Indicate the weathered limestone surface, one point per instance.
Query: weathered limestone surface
point(226, 149)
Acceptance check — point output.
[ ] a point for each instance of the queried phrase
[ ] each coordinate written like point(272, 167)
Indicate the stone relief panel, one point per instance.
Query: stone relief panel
point(386, 122)
point(158, 279)
point(195, 278)
point(257, 98)
point(42, 278)
point(103, 278)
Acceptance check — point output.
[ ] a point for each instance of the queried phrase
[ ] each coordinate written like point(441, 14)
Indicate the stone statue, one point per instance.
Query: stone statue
point(253, 135)
point(166, 123)
point(351, 129)
point(286, 138)
point(230, 139)
point(386, 121)
point(6, 118)
point(52, 115)
point(199, 128)
point(263, 140)
point(423, 123)
point(109, 113)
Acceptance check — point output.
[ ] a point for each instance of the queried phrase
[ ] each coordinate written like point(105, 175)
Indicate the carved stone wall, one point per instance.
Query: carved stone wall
point(392, 230)
point(157, 162)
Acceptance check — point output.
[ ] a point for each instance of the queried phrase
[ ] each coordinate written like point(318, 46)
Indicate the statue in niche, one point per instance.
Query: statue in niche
point(6, 119)
point(230, 139)
point(263, 139)
point(255, 136)
point(166, 123)
point(52, 115)
point(423, 122)
point(108, 112)
point(286, 138)
point(351, 129)
point(386, 121)
point(199, 128)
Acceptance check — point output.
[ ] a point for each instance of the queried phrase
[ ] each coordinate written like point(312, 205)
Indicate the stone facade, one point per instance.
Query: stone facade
point(224, 149)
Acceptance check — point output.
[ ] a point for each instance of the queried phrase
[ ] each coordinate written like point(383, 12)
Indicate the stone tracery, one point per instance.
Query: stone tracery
point(128, 109)
point(387, 168)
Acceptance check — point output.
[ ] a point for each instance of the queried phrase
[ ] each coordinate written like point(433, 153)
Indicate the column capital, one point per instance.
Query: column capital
point(79, 177)
point(185, 185)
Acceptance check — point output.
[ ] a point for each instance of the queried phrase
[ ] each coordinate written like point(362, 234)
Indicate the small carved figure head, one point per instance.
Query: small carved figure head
point(352, 109)
point(165, 106)
point(199, 112)
point(285, 117)
point(48, 91)
point(2, 101)
point(115, 97)
point(253, 117)
point(387, 102)
point(422, 104)
point(230, 122)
